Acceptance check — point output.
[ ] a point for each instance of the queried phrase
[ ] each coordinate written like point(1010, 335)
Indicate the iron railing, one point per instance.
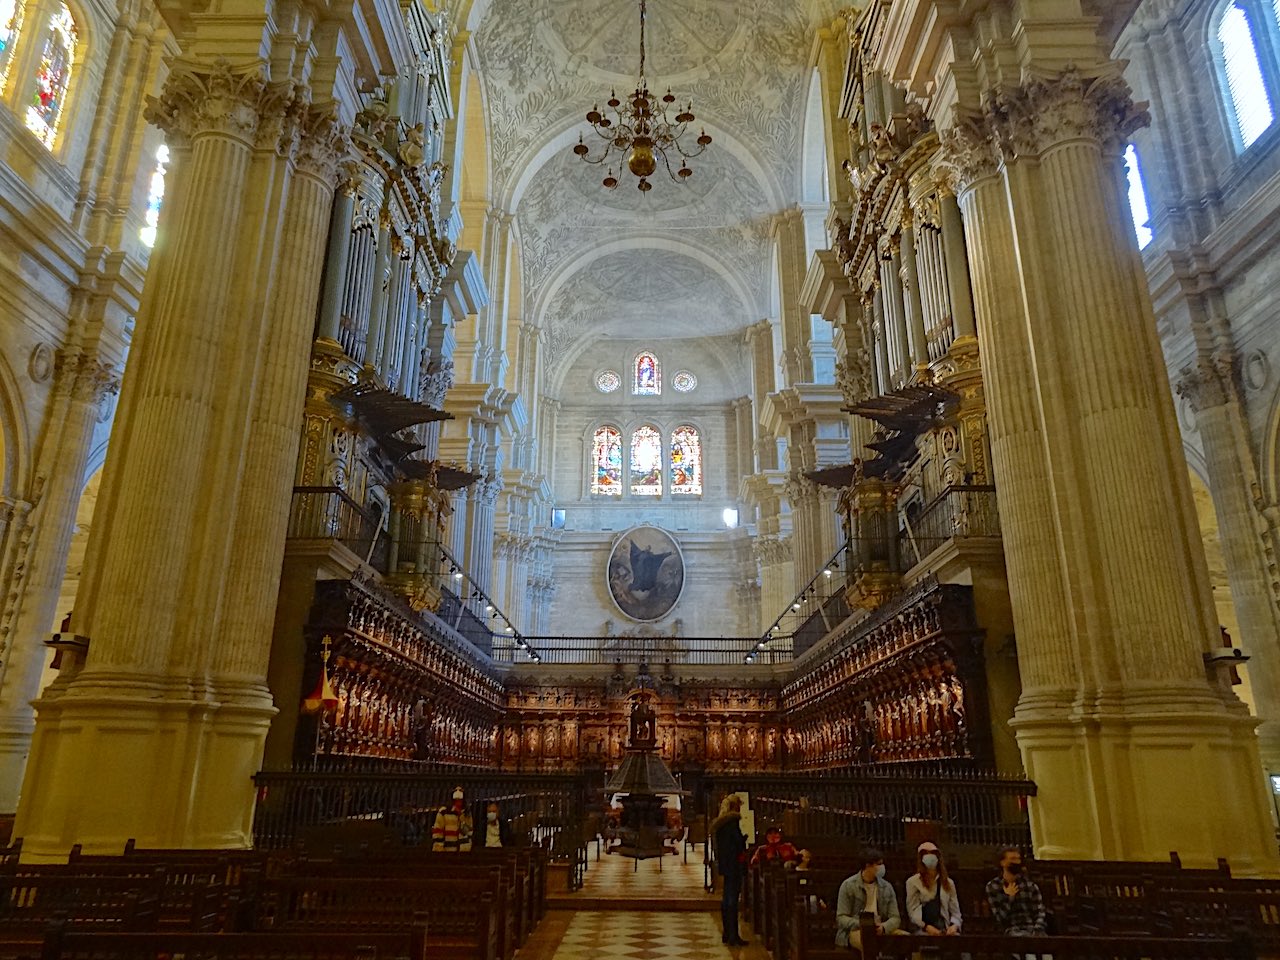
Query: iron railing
point(655, 651)
point(961, 510)
point(329, 514)
point(877, 808)
point(553, 807)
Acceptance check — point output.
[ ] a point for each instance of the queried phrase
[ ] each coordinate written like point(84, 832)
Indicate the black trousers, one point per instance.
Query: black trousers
point(729, 904)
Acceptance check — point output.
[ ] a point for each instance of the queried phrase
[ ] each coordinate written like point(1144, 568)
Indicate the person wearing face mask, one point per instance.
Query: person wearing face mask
point(496, 831)
point(451, 831)
point(932, 905)
point(867, 891)
point(1016, 904)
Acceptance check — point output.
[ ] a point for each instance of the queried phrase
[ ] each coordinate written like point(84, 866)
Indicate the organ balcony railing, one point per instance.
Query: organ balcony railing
point(959, 511)
point(328, 514)
point(406, 550)
point(887, 542)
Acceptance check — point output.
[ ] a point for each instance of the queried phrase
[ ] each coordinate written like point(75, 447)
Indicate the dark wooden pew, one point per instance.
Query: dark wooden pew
point(996, 947)
point(500, 877)
point(61, 943)
point(462, 915)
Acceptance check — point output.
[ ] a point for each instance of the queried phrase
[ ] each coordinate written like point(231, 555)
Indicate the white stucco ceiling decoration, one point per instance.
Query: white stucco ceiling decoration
point(743, 63)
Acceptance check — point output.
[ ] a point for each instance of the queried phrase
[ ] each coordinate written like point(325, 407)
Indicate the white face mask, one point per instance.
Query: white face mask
point(493, 817)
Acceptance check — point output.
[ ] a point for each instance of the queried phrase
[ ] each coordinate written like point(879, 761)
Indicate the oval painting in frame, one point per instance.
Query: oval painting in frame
point(646, 573)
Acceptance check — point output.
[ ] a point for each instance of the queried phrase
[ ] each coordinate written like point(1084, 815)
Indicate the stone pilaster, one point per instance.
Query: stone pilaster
point(81, 386)
point(1212, 388)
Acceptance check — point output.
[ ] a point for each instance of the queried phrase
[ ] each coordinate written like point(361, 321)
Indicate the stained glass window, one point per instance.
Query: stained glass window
point(648, 376)
point(606, 462)
point(52, 76)
point(646, 462)
point(1249, 102)
point(684, 381)
point(155, 196)
point(686, 460)
point(608, 381)
point(10, 28)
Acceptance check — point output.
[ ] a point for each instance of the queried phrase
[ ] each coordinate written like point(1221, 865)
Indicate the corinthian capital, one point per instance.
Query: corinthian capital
point(1209, 382)
point(87, 378)
point(213, 98)
point(1072, 105)
point(324, 146)
point(968, 153)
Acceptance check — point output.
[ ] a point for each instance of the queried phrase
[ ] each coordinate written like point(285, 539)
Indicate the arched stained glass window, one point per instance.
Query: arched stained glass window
point(606, 462)
point(1249, 102)
point(686, 460)
point(155, 196)
point(10, 30)
point(53, 74)
point(646, 462)
point(1138, 197)
point(648, 376)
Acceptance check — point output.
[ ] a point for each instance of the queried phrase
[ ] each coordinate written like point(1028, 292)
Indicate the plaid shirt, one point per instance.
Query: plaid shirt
point(1023, 913)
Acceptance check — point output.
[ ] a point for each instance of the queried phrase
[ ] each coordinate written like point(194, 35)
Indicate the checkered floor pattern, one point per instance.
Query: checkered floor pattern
point(644, 936)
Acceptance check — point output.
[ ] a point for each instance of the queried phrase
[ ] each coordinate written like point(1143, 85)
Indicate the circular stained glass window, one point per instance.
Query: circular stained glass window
point(684, 381)
point(608, 381)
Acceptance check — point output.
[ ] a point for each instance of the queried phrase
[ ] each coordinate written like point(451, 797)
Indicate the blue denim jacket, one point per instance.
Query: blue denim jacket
point(853, 897)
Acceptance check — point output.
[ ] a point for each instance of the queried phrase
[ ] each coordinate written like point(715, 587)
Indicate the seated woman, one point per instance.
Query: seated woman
point(932, 905)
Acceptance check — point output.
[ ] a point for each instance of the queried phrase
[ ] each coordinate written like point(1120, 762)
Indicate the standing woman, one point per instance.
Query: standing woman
point(730, 847)
point(932, 905)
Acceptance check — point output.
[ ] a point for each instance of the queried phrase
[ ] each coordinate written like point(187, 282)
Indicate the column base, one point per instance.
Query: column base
point(153, 759)
point(1138, 775)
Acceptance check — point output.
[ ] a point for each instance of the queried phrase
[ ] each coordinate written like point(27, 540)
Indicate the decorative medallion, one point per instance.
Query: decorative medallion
point(684, 381)
point(608, 381)
point(646, 573)
point(40, 366)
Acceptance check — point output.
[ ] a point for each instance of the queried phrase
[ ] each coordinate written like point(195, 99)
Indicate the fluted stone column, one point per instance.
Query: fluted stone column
point(1211, 386)
point(1112, 609)
point(82, 383)
point(180, 583)
point(482, 497)
point(809, 519)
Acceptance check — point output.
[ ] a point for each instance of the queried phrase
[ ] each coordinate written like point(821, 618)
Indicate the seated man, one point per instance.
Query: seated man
point(774, 849)
point(1016, 904)
point(867, 891)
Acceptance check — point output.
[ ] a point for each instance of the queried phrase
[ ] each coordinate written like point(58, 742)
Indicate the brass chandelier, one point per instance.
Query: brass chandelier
point(641, 132)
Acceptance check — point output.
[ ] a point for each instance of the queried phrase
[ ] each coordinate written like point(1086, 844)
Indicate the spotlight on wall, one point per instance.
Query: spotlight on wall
point(828, 571)
point(488, 608)
point(796, 605)
point(510, 628)
point(457, 574)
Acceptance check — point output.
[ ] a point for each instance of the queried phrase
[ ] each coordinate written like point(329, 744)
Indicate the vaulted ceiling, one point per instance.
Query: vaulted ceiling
point(683, 260)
